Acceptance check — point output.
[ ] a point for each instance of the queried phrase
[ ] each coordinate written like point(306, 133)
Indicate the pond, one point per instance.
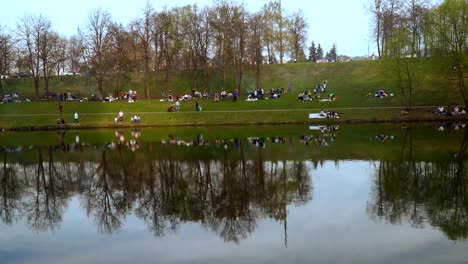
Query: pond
point(285, 194)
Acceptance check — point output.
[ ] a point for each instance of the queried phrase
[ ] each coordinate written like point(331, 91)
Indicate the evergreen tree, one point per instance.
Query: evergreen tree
point(312, 52)
point(319, 52)
point(332, 53)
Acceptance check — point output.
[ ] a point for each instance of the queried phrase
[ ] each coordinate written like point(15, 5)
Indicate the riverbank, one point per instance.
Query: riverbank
point(89, 118)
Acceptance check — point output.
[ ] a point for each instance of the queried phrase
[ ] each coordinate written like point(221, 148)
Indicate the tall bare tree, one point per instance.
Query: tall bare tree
point(255, 46)
point(120, 53)
point(142, 29)
point(97, 42)
point(416, 12)
point(449, 24)
point(59, 54)
point(6, 52)
point(240, 31)
point(298, 31)
point(49, 41)
point(32, 31)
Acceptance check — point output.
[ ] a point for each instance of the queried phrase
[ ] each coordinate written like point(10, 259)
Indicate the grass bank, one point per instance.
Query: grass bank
point(351, 83)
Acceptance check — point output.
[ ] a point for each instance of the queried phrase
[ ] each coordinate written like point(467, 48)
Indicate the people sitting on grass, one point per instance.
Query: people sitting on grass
point(328, 114)
point(382, 94)
point(131, 96)
point(170, 108)
point(119, 117)
point(223, 94)
point(441, 110)
point(449, 111)
point(60, 121)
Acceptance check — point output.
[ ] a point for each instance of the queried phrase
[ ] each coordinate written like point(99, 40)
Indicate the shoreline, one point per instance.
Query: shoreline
point(325, 121)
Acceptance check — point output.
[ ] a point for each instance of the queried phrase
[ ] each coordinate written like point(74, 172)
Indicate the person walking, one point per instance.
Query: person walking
point(177, 105)
point(234, 96)
point(76, 118)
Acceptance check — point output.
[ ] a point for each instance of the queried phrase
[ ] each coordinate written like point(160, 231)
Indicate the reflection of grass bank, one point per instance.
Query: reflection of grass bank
point(287, 110)
point(351, 142)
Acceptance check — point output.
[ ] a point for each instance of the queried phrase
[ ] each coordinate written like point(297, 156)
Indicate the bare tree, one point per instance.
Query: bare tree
point(274, 30)
point(120, 53)
point(195, 30)
point(448, 22)
point(298, 31)
point(32, 31)
point(168, 38)
point(49, 41)
point(6, 52)
point(240, 29)
point(254, 46)
point(142, 28)
point(97, 42)
point(59, 54)
point(416, 12)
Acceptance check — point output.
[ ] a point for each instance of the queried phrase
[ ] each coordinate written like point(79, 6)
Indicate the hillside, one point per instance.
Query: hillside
point(351, 82)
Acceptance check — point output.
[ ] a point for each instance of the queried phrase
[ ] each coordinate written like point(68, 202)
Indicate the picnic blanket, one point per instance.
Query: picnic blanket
point(317, 127)
point(316, 115)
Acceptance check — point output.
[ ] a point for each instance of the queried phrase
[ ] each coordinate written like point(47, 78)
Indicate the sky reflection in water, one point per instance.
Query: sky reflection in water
point(335, 225)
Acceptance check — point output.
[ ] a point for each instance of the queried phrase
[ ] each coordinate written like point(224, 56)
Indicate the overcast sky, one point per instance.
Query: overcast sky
point(345, 23)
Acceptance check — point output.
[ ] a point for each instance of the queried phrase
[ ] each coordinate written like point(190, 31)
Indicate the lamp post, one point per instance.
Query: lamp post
point(367, 47)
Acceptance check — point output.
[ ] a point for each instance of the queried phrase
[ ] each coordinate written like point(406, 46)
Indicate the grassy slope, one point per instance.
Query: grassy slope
point(350, 82)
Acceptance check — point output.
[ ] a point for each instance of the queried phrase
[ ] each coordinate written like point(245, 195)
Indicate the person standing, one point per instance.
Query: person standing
point(60, 108)
point(76, 118)
point(196, 105)
point(177, 105)
point(234, 96)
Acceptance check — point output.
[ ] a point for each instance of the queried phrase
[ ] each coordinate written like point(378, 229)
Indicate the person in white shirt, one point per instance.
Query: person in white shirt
point(177, 106)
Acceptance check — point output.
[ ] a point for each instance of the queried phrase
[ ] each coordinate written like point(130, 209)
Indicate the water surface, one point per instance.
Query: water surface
point(348, 194)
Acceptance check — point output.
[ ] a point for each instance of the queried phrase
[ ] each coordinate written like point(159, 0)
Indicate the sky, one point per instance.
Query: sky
point(346, 23)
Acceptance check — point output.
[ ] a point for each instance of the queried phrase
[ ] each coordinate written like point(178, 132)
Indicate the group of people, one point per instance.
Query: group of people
point(170, 108)
point(314, 94)
point(380, 94)
point(60, 121)
point(131, 96)
point(449, 111)
point(328, 114)
point(9, 98)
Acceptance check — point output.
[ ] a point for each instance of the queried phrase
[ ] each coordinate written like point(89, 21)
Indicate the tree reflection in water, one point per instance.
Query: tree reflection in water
point(215, 185)
point(423, 192)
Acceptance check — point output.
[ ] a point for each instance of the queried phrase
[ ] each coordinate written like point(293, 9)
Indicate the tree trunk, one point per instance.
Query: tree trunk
point(461, 86)
point(36, 86)
point(100, 81)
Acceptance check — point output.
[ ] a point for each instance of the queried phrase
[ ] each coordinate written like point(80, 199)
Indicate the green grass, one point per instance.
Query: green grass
point(351, 82)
